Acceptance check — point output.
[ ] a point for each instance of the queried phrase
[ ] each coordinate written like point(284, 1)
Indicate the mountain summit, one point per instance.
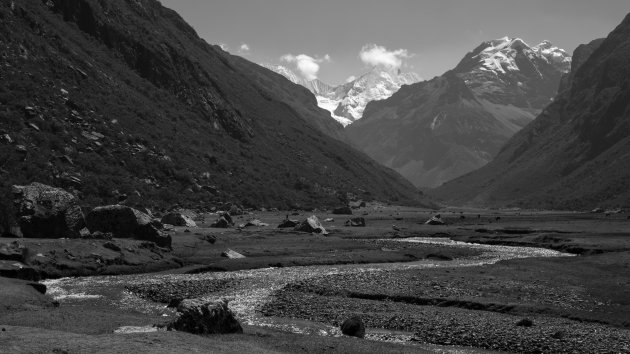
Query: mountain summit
point(346, 102)
point(576, 154)
point(437, 130)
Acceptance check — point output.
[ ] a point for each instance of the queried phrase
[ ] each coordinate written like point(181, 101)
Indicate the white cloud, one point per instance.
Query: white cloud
point(375, 55)
point(306, 64)
point(224, 46)
point(351, 78)
point(244, 49)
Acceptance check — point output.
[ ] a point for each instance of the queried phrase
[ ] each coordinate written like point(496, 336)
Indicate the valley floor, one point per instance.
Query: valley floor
point(558, 304)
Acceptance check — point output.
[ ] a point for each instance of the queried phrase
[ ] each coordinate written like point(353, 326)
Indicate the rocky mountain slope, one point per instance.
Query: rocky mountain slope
point(346, 102)
point(576, 154)
point(436, 130)
point(121, 98)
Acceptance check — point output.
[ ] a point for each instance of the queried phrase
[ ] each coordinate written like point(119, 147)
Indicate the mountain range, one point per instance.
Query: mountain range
point(576, 154)
point(346, 102)
point(437, 130)
point(110, 98)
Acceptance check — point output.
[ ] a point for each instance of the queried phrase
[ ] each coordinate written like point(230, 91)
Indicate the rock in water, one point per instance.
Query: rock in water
point(178, 219)
point(358, 222)
point(125, 222)
point(312, 225)
point(47, 212)
point(199, 316)
point(353, 327)
point(342, 211)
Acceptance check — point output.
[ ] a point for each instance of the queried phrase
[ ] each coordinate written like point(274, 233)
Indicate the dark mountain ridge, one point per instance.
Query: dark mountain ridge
point(122, 97)
point(576, 154)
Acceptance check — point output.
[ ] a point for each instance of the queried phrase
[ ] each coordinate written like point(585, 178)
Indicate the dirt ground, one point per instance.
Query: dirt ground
point(563, 297)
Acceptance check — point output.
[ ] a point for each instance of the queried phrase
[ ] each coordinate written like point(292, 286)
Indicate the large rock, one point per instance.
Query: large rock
point(311, 224)
point(354, 327)
point(224, 221)
point(199, 316)
point(47, 212)
point(231, 254)
point(342, 211)
point(435, 220)
point(357, 222)
point(287, 223)
point(178, 219)
point(125, 222)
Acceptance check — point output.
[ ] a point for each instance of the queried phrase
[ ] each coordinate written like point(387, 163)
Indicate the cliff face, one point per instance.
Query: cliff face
point(576, 154)
point(122, 97)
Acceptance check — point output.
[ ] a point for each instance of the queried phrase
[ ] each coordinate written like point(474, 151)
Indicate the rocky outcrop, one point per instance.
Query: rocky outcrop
point(178, 219)
point(47, 212)
point(125, 222)
point(199, 316)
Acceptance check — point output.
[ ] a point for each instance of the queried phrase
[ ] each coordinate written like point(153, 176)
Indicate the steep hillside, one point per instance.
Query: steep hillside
point(436, 130)
point(576, 154)
point(122, 97)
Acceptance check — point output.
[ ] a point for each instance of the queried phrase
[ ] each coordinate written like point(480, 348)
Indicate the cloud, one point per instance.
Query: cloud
point(375, 55)
point(351, 78)
point(306, 64)
point(244, 49)
point(224, 46)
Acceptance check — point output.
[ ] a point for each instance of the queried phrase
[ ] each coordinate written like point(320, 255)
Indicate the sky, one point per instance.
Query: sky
point(334, 40)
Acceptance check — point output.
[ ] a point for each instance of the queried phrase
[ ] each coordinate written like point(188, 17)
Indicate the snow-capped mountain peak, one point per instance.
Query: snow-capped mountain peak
point(346, 102)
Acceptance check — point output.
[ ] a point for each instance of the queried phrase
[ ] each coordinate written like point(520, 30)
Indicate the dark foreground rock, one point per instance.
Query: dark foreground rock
point(47, 212)
point(353, 327)
point(125, 222)
point(202, 317)
point(286, 224)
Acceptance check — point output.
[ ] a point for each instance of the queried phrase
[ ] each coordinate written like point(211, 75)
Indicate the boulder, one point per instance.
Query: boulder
point(435, 220)
point(13, 251)
point(125, 222)
point(342, 211)
point(18, 270)
point(353, 327)
point(231, 254)
point(178, 219)
point(357, 222)
point(224, 221)
point(47, 212)
point(286, 223)
point(199, 316)
point(312, 225)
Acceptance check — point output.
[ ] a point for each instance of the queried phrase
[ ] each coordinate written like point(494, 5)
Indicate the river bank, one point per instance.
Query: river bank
point(440, 302)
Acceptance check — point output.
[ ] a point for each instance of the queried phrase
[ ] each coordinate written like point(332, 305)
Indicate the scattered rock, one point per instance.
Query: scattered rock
point(329, 220)
point(231, 254)
point(224, 221)
point(199, 316)
point(353, 327)
point(254, 222)
point(47, 212)
point(312, 225)
point(435, 220)
point(285, 224)
point(125, 222)
point(356, 222)
point(178, 219)
point(345, 210)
